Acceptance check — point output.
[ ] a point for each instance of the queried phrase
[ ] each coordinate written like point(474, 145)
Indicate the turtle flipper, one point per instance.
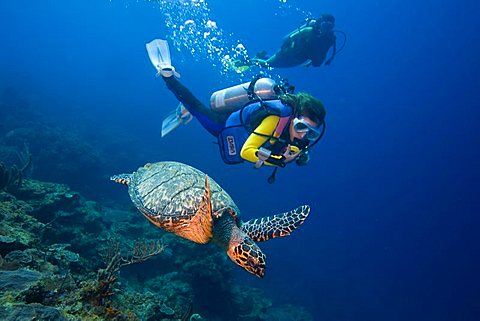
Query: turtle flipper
point(121, 178)
point(200, 228)
point(266, 228)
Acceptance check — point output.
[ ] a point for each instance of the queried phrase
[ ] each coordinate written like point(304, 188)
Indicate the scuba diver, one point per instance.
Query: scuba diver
point(260, 121)
point(307, 45)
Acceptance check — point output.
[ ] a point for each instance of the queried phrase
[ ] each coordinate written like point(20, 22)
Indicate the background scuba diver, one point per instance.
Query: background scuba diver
point(308, 44)
point(272, 131)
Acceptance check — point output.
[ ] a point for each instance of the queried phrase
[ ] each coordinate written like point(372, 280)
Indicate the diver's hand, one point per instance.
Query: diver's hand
point(291, 153)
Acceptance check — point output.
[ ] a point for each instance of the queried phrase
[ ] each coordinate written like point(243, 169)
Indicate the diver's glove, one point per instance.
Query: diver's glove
point(303, 159)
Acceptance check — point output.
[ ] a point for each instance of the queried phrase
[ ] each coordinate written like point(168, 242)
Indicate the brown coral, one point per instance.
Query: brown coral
point(13, 176)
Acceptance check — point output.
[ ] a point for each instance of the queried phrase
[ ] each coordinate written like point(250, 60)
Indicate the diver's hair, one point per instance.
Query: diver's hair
point(304, 104)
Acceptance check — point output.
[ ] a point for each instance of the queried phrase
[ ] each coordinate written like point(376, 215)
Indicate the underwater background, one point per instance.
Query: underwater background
point(393, 184)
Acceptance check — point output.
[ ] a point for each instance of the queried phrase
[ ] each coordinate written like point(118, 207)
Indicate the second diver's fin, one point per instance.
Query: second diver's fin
point(175, 118)
point(239, 65)
point(159, 54)
point(241, 69)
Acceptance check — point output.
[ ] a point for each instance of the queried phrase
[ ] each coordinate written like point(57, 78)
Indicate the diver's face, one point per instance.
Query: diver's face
point(302, 127)
point(326, 26)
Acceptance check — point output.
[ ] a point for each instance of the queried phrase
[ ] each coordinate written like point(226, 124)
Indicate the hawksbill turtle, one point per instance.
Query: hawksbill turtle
point(183, 200)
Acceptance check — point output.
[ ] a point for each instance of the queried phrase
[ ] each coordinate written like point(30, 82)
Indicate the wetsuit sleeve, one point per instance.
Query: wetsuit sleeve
point(254, 141)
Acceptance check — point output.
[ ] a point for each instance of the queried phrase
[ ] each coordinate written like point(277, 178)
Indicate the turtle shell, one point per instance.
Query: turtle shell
point(169, 194)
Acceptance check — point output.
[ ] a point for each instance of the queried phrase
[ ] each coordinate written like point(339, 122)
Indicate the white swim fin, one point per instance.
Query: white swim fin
point(175, 119)
point(159, 54)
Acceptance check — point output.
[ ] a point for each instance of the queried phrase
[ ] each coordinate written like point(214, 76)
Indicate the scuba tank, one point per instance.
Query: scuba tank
point(231, 99)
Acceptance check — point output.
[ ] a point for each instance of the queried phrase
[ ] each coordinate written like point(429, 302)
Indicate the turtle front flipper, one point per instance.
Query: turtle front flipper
point(200, 227)
point(266, 228)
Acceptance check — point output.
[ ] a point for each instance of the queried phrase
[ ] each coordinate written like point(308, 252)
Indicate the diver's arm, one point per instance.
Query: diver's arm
point(254, 142)
point(329, 61)
point(331, 43)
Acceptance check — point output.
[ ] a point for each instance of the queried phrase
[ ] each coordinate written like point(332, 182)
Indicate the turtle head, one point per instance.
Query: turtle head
point(248, 255)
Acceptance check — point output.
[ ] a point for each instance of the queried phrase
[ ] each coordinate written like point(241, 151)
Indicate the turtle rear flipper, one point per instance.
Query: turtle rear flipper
point(266, 228)
point(121, 178)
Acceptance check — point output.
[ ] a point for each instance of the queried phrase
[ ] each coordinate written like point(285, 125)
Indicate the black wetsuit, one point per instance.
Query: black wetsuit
point(300, 46)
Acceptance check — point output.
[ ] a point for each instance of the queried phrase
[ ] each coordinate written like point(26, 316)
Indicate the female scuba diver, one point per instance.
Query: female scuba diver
point(307, 45)
point(263, 124)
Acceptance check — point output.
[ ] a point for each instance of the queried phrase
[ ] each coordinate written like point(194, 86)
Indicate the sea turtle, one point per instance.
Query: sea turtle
point(183, 200)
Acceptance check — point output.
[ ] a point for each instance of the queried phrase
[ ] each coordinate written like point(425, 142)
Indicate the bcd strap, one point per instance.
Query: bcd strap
point(264, 152)
point(282, 123)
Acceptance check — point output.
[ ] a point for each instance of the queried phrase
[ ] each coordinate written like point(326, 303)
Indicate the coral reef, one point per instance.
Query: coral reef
point(64, 145)
point(23, 125)
point(9, 176)
point(13, 176)
point(65, 258)
point(113, 259)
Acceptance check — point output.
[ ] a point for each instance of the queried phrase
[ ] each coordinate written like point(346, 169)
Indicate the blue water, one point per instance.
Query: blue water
point(393, 186)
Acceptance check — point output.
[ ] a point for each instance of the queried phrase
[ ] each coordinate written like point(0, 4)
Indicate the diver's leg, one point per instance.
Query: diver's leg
point(277, 60)
point(260, 62)
point(213, 122)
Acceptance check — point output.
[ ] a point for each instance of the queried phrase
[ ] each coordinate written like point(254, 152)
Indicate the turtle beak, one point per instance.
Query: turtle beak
point(249, 256)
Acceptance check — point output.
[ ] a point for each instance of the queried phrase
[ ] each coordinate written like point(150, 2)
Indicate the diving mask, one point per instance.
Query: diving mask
point(326, 25)
point(301, 126)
